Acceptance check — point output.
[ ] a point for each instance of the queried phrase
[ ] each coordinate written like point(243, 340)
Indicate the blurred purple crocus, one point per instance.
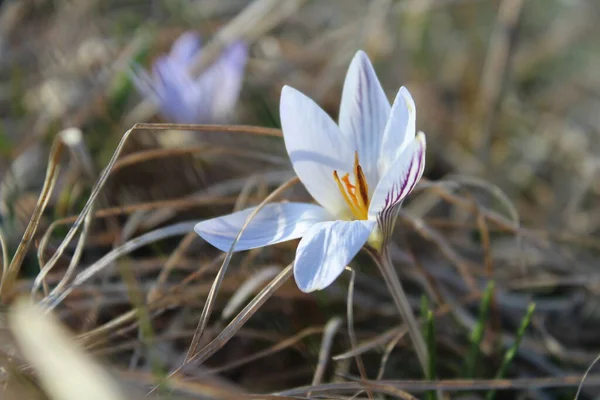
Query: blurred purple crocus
point(182, 98)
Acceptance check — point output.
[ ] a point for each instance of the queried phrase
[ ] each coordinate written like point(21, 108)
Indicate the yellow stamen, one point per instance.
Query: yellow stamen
point(343, 192)
point(361, 182)
point(356, 195)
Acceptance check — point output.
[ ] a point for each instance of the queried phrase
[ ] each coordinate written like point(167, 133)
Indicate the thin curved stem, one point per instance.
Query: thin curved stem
point(383, 260)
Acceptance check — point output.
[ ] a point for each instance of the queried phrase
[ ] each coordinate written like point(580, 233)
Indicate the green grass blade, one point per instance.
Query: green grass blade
point(478, 331)
point(429, 335)
point(512, 351)
point(431, 350)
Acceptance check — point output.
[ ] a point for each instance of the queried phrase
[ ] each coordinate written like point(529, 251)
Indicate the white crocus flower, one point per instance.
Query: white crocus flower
point(359, 172)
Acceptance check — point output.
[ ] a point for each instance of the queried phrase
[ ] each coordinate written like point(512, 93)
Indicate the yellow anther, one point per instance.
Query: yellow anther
point(344, 193)
point(355, 195)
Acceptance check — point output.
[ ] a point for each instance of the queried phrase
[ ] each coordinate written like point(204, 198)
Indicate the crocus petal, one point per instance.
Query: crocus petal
point(186, 48)
point(326, 249)
point(169, 81)
point(399, 131)
point(226, 76)
point(180, 98)
point(274, 223)
point(397, 183)
point(364, 111)
point(316, 148)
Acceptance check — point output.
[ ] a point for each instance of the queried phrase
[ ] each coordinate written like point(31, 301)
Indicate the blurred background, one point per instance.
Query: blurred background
point(508, 92)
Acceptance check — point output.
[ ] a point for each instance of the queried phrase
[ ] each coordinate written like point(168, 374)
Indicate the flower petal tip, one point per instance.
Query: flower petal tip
point(305, 288)
point(405, 92)
point(309, 286)
point(287, 90)
point(186, 46)
point(326, 249)
point(237, 53)
point(361, 61)
point(200, 229)
point(361, 55)
point(421, 138)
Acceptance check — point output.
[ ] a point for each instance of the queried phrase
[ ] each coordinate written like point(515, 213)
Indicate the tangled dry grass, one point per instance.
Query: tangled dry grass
point(97, 215)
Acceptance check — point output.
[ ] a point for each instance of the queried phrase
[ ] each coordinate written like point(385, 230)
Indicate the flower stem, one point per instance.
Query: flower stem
point(384, 262)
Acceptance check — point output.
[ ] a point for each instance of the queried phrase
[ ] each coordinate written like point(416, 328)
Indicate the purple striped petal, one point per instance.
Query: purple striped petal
point(399, 180)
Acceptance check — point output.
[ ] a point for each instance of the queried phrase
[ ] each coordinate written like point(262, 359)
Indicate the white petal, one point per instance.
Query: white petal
point(400, 179)
point(274, 223)
point(364, 112)
point(316, 148)
point(326, 249)
point(399, 132)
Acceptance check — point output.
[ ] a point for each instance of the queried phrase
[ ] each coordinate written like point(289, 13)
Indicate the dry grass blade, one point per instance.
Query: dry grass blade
point(65, 371)
point(386, 354)
point(271, 350)
point(74, 260)
point(351, 333)
point(386, 337)
point(230, 330)
point(380, 340)
point(4, 249)
point(458, 181)
point(205, 389)
point(106, 173)
point(585, 375)
point(247, 288)
point(447, 385)
point(156, 304)
point(57, 296)
point(331, 329)
point(505, 224)
point(505, 201)
point(148, 155)
point(13, 269)
point(337, 388)
point(176, 255)
point(243, 316)
point(86, 209)
point(212, 295)
point(184, 203)
point(238, 129)
point(445, 247)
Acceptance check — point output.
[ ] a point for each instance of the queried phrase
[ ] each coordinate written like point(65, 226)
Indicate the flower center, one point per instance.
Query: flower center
point(355, 194)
